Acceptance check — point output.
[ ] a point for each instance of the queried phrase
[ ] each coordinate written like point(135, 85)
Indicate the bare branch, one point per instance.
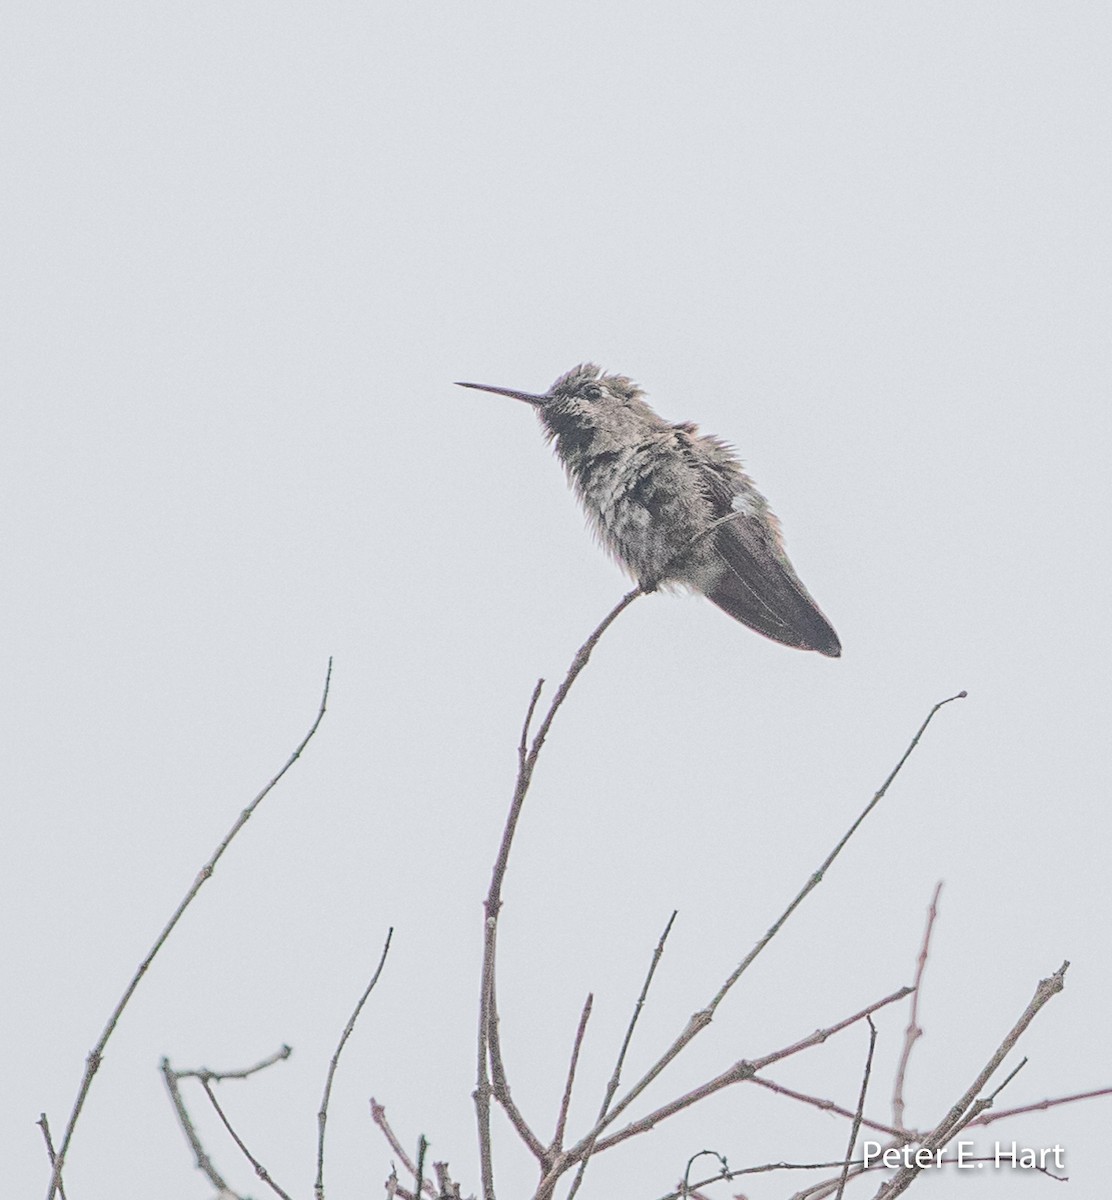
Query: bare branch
point(565, 1103)
point(95, 1056)
point(700, 1020)
point(422, 1147)
point(913, 1032)
point(582, 657)
point(742, 1070)
point(968, 1107)
point(990, 1118)
point(44, 1125)
point(500, 1087)
point(523, 744)
point(826, 1106)
point(173, 1078)
point(378, 1115)
point(827, 1187)
point(616, 1077)
point(260, 1170)
point(445, 1186)
point(204, 1163)
point(488, 1048)
point(762, 1169)
point(685, 1183)
point(219, 1076)
point(322, 1115)
point(860, 1109)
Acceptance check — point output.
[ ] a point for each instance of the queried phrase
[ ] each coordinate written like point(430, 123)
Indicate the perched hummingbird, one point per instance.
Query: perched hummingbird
point(674, 506)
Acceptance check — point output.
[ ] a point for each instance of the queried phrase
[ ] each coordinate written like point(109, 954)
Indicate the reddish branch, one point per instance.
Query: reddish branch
point(913, 1032)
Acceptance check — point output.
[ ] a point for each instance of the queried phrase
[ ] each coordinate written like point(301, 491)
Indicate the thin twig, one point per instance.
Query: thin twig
point(860, 1109)
point(913, 1032)
point(827, 1187)
point(986, 1102)
point(200, 1157)
point(968, 1107)
point(523, 744)
point(827, 1106)
point(488, 1029)
point(616, 1076)
point(501, 1087)
point(700, 1020)
point(260, 1170)
point(93, 1061)
point(742, 1070)
point(219, 1076)
point(990, 1118)
point(762, 1169)
point(446, 1188)
point(582, 657)
point(378, 1115)
point(422, 1147)
point(322, 1115)
point(173, 1079)
point(44, 1125)
point(685, 1183)
point(565, 1102)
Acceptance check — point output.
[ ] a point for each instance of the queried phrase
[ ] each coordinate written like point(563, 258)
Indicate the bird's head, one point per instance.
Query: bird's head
point(584, 399)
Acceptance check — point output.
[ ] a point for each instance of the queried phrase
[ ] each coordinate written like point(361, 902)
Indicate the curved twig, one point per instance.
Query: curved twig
point(93, 1061)
point(283, 1052)
point(488, 1046)
point(322, 1115)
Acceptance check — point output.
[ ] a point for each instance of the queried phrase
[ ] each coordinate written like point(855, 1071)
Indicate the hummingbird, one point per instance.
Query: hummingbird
point(673, 506)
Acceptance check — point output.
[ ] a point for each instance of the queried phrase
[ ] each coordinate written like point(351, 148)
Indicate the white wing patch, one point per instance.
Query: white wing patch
point(745, 505)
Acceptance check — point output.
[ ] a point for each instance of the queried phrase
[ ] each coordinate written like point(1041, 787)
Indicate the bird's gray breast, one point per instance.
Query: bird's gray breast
point(646, 499)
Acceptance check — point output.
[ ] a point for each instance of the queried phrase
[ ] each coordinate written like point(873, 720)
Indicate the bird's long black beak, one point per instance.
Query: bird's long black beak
point(528, 397)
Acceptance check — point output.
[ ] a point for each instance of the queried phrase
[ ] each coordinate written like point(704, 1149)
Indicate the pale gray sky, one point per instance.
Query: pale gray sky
point(247, 248)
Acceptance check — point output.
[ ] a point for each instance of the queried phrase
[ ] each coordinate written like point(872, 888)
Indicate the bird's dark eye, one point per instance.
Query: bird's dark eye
point(592, 391)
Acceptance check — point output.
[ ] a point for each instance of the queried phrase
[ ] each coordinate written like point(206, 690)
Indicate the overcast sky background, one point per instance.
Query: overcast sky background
point(247, 248)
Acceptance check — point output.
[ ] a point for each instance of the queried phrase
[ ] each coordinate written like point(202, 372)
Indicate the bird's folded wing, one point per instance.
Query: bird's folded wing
point(758, 587)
